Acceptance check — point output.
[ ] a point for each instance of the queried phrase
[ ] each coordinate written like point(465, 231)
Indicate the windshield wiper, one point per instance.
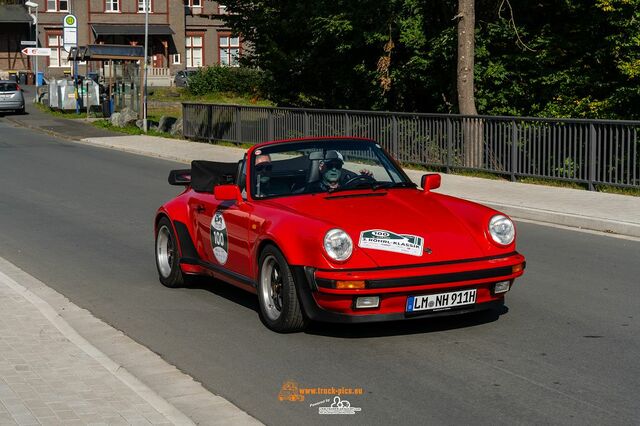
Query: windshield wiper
point(362, 185)
point(387, 185)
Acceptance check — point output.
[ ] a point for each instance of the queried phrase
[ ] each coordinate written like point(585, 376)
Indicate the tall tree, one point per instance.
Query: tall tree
point(578, 58)
point(466, 56)
point(471, 128)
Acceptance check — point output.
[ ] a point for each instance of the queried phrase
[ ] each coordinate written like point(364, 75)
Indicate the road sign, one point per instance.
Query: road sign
point(28, 42)
point(70, 32)
point(37, 51)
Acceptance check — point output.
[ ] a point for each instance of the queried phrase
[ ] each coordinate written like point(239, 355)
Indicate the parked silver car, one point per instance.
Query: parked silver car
point(11, 97)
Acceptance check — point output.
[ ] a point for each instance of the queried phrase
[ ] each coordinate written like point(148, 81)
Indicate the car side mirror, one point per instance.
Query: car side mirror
point(430, 181)
point(180, 177)
point(227, 193)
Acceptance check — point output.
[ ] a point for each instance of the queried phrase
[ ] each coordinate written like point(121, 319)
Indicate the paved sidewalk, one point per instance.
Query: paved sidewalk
point(51, 375)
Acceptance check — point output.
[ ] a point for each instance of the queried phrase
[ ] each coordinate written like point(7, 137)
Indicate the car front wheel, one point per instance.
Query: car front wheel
point(167, 255)
point(279, 305)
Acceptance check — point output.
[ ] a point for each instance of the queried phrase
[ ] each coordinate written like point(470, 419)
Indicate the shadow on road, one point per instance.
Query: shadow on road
point(413, 326)
point(222, 289)
point(354, 331)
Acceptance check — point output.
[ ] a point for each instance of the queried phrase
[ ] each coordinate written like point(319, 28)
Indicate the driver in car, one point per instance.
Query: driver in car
point(332, 176)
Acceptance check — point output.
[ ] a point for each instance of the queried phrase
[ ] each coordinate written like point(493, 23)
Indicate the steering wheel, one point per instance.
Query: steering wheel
point(364, 178)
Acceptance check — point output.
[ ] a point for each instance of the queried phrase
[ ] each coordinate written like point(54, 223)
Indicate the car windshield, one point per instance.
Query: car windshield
point(306, 167)
point(8, 87)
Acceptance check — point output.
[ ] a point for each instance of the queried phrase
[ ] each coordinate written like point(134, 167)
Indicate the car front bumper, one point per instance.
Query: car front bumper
point(394, 286)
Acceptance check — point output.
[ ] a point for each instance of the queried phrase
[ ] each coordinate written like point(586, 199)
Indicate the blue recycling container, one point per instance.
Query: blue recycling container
point(39, 79)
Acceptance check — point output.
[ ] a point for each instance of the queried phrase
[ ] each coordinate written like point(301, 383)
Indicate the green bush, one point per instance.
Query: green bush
point(238, 80)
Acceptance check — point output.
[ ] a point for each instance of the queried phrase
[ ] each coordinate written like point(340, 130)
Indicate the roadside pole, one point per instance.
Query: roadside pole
point(75, 76)
point(34, 5)
point(37, 45)
point(69, 42)
point(146, 3)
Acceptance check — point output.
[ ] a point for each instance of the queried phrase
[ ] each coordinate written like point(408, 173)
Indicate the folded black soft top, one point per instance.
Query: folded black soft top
point(207, 174)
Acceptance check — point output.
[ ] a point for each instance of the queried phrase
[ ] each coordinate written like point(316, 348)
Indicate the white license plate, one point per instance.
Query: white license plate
point(441, 301)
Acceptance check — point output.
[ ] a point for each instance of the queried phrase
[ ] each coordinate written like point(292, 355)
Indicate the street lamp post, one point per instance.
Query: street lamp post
point(34, 5)
point(147, 3)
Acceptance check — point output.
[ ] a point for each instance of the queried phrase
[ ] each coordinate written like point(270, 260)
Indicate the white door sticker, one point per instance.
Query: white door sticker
point(219, 239)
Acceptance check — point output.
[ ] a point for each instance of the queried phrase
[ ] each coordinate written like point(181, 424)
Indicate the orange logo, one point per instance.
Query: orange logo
point(290, 392)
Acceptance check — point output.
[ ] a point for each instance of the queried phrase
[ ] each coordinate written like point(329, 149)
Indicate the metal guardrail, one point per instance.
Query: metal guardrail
point(593, 152)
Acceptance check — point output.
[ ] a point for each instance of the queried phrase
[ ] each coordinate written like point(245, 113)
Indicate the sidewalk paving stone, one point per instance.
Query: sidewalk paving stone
point(49, 373)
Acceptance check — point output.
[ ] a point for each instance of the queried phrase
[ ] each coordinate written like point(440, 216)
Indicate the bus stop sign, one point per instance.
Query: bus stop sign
point(70, 32)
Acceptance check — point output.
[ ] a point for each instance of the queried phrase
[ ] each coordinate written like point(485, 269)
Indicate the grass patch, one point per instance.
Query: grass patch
point(460, 172)
point(551, 182)
point(67, 114)
point(170, 96)
point(478, 174)
point(233, 144)
point(634, 192)
point(179, 94)
point(168, 110)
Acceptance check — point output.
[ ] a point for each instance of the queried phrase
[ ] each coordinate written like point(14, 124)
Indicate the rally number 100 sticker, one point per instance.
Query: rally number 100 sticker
point(219, 240)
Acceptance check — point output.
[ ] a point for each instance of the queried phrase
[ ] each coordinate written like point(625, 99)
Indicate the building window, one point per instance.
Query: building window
point(194, 51)
point(112, 6)
point(57, 5)
point(141, 4)
point(58, 58)
point(193, 3)
point(175, 59)
point(222, 9)
point(229, 50)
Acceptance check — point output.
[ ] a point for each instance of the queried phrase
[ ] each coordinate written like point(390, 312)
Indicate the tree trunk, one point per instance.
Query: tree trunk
point(471, 127)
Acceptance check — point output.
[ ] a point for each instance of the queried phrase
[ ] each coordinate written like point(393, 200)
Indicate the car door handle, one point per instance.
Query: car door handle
point(200, 208)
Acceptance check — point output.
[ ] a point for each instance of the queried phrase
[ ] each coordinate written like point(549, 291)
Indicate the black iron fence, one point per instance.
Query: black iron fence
point(594, 152)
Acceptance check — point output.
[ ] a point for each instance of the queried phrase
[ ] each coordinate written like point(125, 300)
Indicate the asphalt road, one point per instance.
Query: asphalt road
point(564, 352)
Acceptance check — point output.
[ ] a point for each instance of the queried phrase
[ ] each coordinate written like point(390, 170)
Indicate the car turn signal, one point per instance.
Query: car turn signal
point(349, 285)
point(517, 268)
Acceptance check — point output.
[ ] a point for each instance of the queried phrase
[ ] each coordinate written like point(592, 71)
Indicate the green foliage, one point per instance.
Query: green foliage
point(563, 58)
point(241, 81)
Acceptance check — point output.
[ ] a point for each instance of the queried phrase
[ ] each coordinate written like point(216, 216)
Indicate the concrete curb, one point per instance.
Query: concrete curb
point(41, 130)
point(174, 394)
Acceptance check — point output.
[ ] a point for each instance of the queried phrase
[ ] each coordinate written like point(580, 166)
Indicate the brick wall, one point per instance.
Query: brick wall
point(181, 19)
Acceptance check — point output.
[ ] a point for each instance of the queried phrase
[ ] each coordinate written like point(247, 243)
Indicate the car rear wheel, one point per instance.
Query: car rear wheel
point(167, 255)
point(277, 296)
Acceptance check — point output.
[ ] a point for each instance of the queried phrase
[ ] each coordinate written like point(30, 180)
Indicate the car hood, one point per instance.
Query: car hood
point(395, 227)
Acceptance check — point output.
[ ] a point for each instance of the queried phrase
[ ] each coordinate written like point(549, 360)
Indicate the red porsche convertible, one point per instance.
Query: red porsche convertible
point(332, 229)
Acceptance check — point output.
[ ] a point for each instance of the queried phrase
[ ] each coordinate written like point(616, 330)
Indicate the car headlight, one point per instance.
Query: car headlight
point(502, 230)
point(338, 244)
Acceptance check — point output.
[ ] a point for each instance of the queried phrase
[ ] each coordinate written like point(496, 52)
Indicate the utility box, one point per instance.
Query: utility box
point(62, 94)
point(89, 93)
